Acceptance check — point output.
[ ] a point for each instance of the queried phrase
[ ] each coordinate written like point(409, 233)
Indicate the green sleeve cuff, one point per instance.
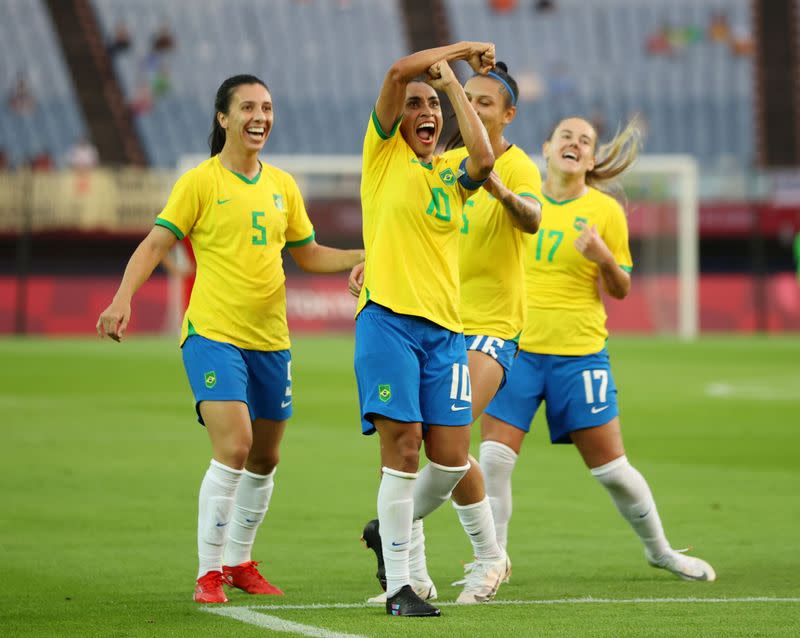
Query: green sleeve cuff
point(531, 195)
point(301, 242)
point(628, 269)
point(170, 226)
point(383, 135)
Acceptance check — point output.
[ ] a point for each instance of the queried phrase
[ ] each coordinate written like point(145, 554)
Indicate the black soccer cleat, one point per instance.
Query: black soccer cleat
point(407, 603)
point(372, 539)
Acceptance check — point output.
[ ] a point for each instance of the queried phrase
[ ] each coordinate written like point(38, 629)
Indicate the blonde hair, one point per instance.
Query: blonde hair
point(613, 158)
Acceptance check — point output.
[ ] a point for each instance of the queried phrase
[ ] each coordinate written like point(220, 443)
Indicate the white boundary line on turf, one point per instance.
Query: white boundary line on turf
point(255, 614)
point(247, 615)
point(554, 601)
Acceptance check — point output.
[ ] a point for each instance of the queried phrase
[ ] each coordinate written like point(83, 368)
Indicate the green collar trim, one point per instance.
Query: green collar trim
point(557, 203)
point(246, 179)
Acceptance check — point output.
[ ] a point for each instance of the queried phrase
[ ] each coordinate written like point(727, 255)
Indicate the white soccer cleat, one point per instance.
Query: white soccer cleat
point(683, 566)
point(483, 580)
point(425, 590)
point(468, 568)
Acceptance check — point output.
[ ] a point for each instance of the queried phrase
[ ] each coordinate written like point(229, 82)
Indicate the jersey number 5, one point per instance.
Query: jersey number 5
point(260, 236)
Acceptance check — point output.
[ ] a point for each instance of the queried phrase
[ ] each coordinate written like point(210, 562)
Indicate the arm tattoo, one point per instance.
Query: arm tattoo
point(525, 213)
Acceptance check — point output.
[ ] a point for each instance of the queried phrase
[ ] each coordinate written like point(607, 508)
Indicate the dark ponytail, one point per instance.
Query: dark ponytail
point(222, 103)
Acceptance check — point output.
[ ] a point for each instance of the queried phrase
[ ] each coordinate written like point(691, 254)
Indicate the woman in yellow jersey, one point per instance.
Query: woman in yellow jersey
point(492, 311)
point(238, 214)
point(410, 359)
point(563, 359)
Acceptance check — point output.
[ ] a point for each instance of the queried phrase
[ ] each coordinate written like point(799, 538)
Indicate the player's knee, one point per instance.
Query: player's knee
point(263, 463)
point(233, 453)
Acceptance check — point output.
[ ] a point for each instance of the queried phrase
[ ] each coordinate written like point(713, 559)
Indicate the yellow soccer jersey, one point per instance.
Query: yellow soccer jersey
point(238, 228)
point(491, 262)
point(412, 216)
point(565, 313)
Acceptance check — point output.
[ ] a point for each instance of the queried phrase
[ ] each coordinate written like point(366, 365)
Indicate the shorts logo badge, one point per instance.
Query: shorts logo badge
point(385, 392)
point(447, 175)
point(211, 379)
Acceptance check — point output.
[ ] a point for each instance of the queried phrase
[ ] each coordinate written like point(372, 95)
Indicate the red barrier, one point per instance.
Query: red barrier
point(71, 305)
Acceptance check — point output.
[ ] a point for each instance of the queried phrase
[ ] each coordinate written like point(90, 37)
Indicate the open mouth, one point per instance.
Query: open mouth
point(570, 155)
point(426, 132)
point(256, 133)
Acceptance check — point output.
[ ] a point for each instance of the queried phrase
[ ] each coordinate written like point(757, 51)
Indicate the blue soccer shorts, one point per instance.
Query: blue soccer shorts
point(220, 371)
point(501, 350)
point(411, 370)
point(578, 391)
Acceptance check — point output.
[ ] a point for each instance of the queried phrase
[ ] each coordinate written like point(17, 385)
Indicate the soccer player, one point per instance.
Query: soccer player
point(410, 358)
point(491, 272)
point(239, 214)
point(563, 359)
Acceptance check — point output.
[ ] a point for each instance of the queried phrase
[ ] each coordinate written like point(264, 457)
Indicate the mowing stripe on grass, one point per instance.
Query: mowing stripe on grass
point(554, 601)
point(246, 615)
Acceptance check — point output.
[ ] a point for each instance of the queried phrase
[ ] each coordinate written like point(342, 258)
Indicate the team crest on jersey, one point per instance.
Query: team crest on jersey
point(448, 176)
point(277, 198)
point(384, 392)
point(211, 379)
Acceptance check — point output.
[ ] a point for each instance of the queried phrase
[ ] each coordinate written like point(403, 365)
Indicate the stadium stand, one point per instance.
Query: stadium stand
point(323, 90)
point(696, 97)
point(29, 50)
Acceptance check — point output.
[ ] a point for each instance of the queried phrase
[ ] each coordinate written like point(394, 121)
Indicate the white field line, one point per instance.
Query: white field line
point(552, 601)
point(265, 621)
point(784, 390)
point(254, 614)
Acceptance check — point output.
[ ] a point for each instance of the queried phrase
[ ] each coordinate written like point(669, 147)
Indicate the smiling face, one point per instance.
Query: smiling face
point(490, 102)
point(422, 119)
point(570, 149)
point(248, 121)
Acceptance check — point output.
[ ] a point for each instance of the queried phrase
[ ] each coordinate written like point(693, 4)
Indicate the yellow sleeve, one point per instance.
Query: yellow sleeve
point(183, 206)
point(299, 230)
point(615, 235)
point(378, 142)
point(526, 181)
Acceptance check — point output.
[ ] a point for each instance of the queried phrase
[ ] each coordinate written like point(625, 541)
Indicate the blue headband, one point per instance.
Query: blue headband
point(494, 75)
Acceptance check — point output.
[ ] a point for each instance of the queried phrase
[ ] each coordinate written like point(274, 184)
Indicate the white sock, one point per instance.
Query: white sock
point(214, 513)
point(634, 500)
point(497, 462)
point(434, 487)
point(395, 507)
point(249, 508)
point(476, 519)
point(417, 563)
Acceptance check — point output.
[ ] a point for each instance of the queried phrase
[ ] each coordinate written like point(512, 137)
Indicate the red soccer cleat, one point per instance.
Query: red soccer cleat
point(209, 588)
point(247, 578)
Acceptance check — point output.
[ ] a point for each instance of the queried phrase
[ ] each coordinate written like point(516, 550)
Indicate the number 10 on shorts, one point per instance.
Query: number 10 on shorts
point(460, 387)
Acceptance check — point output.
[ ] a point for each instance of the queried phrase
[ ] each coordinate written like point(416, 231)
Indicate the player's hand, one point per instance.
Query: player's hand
point(591, 245)
point(356, 280)
point(441, 76)
point(495, 185)
point(114, 320)
point(481, 57)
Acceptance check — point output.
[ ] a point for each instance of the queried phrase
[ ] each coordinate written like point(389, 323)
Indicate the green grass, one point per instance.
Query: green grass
point(101, 460)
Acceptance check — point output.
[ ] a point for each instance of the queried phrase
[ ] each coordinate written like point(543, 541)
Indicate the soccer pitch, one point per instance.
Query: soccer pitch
point(101, 460)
